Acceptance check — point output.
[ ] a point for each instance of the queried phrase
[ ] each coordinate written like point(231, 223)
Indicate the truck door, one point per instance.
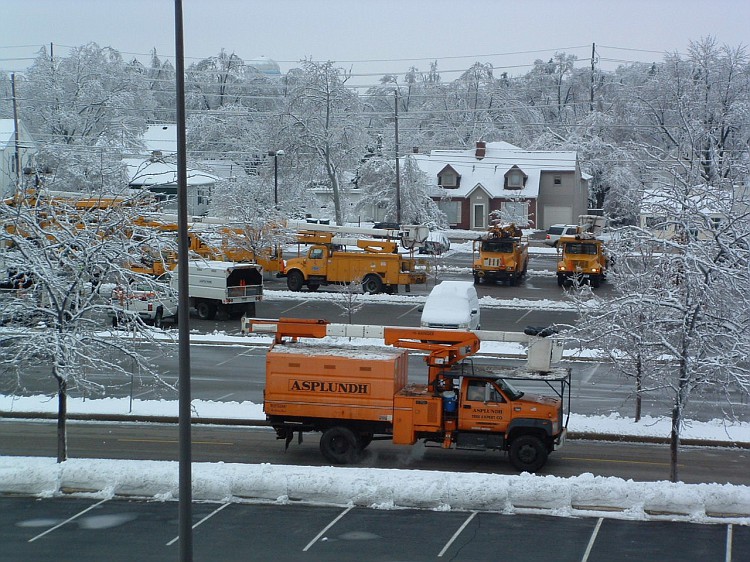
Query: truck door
point(483, 407)
point(317, 259)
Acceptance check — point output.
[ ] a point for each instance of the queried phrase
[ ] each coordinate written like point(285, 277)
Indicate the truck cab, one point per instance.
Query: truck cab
point(582, 257)
point(501, 255)
point(493, 414)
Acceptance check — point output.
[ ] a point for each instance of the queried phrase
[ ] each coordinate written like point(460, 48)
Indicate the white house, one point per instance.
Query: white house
point(532, 187)
point(27, 149)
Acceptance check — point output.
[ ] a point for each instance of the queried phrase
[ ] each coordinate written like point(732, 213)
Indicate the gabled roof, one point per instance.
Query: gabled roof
point(8, 134)
point(162, 137)
point(490, 170)
point(147, 173)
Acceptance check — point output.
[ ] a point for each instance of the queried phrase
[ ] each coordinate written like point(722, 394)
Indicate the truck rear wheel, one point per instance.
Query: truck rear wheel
point(205, 310)
point(372, 284)
point(339, 445)
point(528, 453)
point(159, 318)
point(294, 280)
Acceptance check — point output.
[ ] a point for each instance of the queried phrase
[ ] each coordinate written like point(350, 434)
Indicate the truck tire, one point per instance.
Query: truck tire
point(206, 310)
point(528, 453)
point(560, 280)
point(339, 445)
point(372, 284)
point(595, 281)
point(295, 280)
point(476, 279)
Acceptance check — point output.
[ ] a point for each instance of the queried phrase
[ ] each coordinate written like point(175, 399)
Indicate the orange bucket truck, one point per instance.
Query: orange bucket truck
point(354, 394)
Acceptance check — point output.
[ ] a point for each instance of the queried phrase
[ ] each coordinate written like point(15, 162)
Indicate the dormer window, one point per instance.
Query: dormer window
point(448, 178)
point(515, 178)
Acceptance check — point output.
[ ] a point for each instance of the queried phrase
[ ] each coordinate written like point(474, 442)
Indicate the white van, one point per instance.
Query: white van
point(453, 305)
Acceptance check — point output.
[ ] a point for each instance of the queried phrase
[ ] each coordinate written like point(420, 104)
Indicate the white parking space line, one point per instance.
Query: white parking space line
point(523, 316)
point(331, 524)
point(409, 311)
point(458, 532)
point(303, 303)
point(585, 379)
point(592, 540)
point(220, 398)
point(236, 357)
point(206, 518)
point(68, 520)
point(729, 544)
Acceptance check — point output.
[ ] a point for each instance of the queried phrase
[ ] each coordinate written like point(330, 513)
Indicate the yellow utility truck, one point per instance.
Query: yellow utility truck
point(376, 261)
point(501, 254)
point(582, 258)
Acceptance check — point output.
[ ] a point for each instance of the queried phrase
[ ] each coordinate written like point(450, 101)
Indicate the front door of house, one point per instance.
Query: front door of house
point(479, 215)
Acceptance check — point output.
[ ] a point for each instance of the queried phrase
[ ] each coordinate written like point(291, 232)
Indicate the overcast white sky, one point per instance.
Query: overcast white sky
point(385, 31)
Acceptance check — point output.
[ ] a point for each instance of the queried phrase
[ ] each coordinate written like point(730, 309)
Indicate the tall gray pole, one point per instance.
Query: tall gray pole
point(17, 154)
point(183, 311)
point(593, 62)
point(398, 171)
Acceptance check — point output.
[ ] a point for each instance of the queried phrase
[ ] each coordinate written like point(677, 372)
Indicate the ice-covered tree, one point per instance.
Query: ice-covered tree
point(322, 123)
point(680, 320)
point(84, 110)
point(377, 180)
point(63, 257)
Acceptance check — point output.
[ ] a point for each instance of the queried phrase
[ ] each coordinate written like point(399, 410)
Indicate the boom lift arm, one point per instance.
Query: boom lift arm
point(445, 348)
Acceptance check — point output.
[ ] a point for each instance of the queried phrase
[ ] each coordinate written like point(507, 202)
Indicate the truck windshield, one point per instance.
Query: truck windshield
point(574, 248)
point(499, 246)
point(509, 390)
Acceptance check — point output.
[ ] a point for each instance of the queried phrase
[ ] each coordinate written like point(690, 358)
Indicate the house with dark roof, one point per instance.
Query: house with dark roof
point(533, 188)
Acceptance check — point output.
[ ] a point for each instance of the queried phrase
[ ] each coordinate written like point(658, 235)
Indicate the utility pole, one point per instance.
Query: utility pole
point(17, 154)
point(593, 62)
point(398, 170)
point(185, 479)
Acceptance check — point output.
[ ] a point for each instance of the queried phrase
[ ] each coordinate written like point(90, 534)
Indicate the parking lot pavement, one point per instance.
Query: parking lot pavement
point(86, 529)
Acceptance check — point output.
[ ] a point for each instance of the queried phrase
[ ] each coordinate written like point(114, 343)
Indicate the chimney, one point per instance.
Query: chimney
point(481, 149)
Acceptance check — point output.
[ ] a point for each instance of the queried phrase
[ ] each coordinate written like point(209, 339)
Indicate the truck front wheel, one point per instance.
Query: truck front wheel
point(294, 280)
point(372, 284)
point(528, 453)
point(339, 445)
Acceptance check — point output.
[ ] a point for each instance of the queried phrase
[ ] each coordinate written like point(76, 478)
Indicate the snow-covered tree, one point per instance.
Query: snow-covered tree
point(62, 259)
point(680, 320)
point(85, 110)
point(248, 206)
point(377, 180)
point(322, 120)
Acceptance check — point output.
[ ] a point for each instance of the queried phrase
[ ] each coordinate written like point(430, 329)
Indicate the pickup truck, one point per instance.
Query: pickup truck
point(153, 304)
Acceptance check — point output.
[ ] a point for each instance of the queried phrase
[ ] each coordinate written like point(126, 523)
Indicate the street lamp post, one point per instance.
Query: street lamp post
point(276, 154)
